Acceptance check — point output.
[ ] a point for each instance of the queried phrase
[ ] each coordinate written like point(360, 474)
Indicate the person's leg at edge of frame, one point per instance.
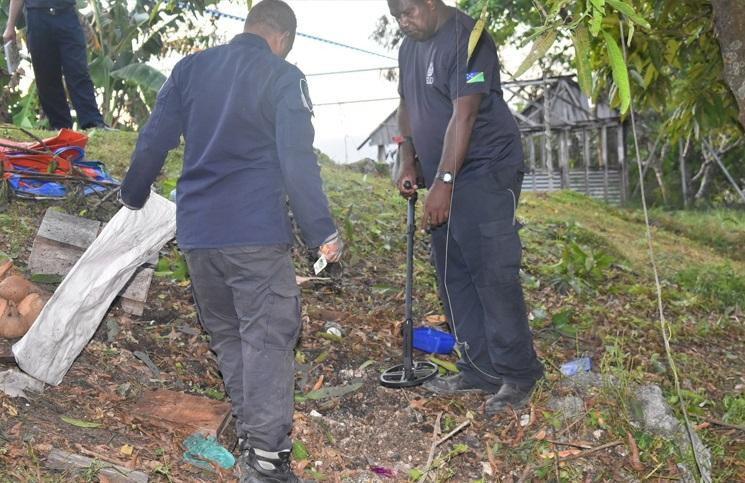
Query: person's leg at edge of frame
point(47, 64)
point(75, 68)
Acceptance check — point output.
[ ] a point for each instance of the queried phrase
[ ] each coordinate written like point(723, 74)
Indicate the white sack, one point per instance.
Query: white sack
point(72, 315)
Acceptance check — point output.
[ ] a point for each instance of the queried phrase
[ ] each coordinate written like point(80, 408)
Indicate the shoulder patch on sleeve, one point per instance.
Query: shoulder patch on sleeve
point(305, 95)
point(475, 78)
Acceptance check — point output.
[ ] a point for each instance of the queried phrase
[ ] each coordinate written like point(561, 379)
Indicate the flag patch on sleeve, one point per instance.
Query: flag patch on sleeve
point(475, 78)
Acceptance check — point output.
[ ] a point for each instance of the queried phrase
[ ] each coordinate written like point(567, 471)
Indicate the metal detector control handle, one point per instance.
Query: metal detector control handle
point(408, 186)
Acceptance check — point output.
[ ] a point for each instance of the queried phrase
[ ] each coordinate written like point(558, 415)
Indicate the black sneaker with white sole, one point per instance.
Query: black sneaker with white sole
point(257, 466)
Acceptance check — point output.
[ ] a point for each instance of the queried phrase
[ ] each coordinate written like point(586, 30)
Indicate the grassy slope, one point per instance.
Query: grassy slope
point(615, 321)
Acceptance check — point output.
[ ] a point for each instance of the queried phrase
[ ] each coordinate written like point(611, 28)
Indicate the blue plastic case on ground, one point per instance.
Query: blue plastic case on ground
point(427, 339)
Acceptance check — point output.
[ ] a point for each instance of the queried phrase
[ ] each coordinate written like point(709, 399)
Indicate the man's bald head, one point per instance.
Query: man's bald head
point(273, 20)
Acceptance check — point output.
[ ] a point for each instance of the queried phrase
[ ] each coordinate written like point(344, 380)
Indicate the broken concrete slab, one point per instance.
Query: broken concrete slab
point(6, 354)
point(14, 383)
point(651, 411)
point(134, 295)
point(60, 241)
point(68, 229)
point(77, 465)
point(186, 413)
point(568, 407)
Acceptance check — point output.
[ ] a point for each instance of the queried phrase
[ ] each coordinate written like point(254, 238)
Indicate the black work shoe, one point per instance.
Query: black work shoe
point(99, 125)
point(266, 467)
point(455, 384)
point(509, 395)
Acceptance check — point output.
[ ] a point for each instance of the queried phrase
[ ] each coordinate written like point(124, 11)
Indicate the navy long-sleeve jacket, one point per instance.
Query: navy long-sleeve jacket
point(245, 116)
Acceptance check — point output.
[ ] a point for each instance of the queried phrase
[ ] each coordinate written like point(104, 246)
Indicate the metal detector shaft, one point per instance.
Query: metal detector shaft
point(409, 322)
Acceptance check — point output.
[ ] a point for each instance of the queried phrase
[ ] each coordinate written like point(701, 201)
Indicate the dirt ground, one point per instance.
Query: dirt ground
point(372, 433)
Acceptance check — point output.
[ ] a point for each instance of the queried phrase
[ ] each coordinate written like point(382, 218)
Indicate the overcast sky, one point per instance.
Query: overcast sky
point(340, 128)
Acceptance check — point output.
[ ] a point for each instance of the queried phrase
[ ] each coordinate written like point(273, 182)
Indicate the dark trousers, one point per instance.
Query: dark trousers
point(480, 283)
point(249, 304)
point(57, 46)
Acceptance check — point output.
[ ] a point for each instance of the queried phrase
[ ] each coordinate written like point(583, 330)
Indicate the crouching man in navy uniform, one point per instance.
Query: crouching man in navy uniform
point(245, 115)
point(453, 117)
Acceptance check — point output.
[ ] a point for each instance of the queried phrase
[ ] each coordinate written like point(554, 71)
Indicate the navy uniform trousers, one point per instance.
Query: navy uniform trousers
point(249, 304)
point(57, 46)
point(483, 284)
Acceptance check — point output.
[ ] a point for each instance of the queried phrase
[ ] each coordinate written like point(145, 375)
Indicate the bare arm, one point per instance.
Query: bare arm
point(406, 154)
point(14, 11)
point(454, 151)
point(458, 133)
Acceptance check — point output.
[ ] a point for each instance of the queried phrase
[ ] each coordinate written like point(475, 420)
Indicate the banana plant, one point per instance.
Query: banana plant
point(119, 51)
point(125, 35)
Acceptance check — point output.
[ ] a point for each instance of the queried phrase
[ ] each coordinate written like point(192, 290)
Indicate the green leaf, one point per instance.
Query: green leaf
point(449, 366)
point(321, 357)
point(100, 70)
point(329, 336)
point(46, 278)
point(598, 12)
point(299, 451)
point(141, 74)
point(80, 423)
point(629, 12)
point(539, 49)
point(26, 117)
point(415, 474)
point(620, 73)
point(249, 4)
point(478, 28)
point(581, 40)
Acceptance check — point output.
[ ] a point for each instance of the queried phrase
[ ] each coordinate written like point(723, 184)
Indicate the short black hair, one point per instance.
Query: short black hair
point(275, 14)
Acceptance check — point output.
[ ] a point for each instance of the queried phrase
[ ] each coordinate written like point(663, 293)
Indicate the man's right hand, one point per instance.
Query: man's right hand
point(406, 182)
point(9, 34)
point(332, 249)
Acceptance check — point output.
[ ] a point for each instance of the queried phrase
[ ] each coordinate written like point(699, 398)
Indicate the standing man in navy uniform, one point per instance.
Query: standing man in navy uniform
point(245, 115)
point(452, 116)
point(57, 46)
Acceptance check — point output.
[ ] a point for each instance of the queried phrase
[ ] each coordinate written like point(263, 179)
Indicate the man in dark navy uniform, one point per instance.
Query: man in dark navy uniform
point(245, 115)
point(57, 46)
point(452, 116)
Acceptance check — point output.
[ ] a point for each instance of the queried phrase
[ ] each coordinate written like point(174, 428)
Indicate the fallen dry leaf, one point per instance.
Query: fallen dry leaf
point(318, 384)
point(634, 456)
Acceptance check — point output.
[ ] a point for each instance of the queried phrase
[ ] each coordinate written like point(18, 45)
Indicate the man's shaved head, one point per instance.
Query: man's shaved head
point(274, 14)
point(275, 21)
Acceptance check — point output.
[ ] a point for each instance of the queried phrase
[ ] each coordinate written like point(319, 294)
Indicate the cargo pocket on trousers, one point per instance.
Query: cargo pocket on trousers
point(500, 252)
point(283, 315)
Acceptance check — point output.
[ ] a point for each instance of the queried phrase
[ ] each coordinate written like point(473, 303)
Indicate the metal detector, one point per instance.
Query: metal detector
point(410, 373)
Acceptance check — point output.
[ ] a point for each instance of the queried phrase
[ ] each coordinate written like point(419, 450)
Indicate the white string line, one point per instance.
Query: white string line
point(664, 325)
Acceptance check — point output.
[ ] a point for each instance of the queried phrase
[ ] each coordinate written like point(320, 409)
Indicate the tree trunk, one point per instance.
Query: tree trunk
point(729, 24)
point(657, 167)
point(703, 189)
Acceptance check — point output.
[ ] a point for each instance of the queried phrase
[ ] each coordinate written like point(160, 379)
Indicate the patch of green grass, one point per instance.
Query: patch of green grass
point(723, 229)
point(719, 286)
point(734, 409)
